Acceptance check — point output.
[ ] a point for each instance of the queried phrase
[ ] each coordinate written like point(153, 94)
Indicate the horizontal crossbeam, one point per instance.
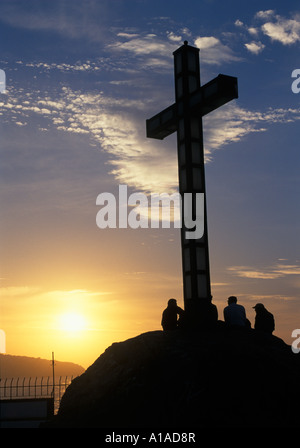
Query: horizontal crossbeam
point(209, 97)
point(163, 124)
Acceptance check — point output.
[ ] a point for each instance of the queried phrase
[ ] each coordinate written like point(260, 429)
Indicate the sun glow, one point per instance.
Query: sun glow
point(72, 322)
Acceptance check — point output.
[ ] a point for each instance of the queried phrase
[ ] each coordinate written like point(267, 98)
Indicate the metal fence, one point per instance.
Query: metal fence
point(20, 388)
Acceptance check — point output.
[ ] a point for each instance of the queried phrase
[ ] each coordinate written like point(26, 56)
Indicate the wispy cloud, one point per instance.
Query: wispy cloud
point(18, 292)
point(255, 47)
point(64, 67)
point(278, 270)
point(265, 14)
point(267, 299)
point(276, 27)
point(233, 123)
point(30, 307)
point(157, 50)
point(117, 127)
point(148, 49)
point(90, 20)
point(214, 52)
point(76, 20)
point(141, 45)
point(281, 29)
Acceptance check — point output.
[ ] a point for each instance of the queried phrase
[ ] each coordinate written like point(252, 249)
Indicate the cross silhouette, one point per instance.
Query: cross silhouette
point(185, 118)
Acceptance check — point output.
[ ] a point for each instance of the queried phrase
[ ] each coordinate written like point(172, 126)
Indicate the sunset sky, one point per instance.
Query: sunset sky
point(82, 78)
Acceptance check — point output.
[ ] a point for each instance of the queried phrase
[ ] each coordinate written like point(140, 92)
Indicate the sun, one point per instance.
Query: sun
point(72, 322)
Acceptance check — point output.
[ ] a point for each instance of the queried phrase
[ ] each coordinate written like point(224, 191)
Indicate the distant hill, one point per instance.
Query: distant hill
point(25, 367)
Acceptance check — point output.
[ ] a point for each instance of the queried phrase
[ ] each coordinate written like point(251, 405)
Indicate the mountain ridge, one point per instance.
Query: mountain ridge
point(14, 366)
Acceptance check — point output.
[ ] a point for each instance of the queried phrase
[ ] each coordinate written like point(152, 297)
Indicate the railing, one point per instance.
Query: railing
point(20, 388)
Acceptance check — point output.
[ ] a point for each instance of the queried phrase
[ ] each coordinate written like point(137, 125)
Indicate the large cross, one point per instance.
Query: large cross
point(185, 117)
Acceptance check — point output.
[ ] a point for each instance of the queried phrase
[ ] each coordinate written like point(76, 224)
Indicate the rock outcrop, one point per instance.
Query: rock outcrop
point(213, 378)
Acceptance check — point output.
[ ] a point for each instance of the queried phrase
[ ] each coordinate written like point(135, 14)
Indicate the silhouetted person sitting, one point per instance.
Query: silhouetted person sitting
point(234, 314)
point(169, 317)
point(264, 320)
point(208, 317)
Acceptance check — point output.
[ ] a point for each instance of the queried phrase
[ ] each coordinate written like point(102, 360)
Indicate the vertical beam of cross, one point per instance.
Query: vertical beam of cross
point(185, 117)
point(195, 255)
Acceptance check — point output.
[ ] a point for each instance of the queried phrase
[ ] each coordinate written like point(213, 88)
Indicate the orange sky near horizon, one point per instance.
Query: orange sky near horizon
point(79, 325)
point(116, 304)
point(117, 280)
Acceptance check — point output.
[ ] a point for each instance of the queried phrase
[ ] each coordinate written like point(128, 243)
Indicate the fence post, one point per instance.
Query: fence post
point(29, 392)
point(53, 376)
point(11, 388)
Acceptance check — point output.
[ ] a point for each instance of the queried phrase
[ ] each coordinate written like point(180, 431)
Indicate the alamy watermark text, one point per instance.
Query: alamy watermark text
point(2, 81)
point(141, 211)
point(296, 342)
point(296, 84)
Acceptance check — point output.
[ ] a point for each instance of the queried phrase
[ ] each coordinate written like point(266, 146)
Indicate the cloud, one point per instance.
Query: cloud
point(156, 50)
point(239, 23)
point(253, 31)
point(117, 127)
point(276, 27)
point(255, 47)
point(213, 52)
point(70, 19)
point(286, 31)
point(207, 42)
point(64, 67)
point(276, 271)
point(29, 307)
point(265, 14)
point(248, 272)
point(279, 28)
point(232, 123)
point(145, 51)
point(18, 292)
point(174, 38)
point(143, 45)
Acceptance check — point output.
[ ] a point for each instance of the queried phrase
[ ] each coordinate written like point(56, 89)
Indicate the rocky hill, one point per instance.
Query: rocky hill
point(216, 378)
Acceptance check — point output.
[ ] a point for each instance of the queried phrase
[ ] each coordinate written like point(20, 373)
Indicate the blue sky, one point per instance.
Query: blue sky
point(82, 78)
